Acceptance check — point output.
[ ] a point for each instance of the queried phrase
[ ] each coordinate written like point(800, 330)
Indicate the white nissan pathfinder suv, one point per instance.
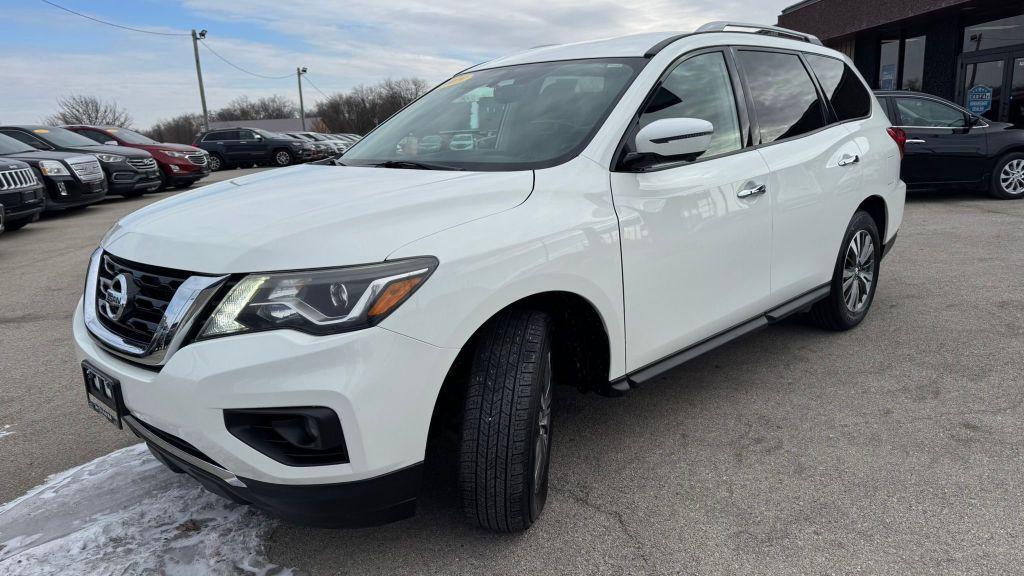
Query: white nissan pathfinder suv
point(290, 338)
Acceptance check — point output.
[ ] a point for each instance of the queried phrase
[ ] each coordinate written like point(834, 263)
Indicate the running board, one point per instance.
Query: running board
point(801, 303)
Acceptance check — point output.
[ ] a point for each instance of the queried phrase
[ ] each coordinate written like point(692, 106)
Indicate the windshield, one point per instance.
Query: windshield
point(62, 138)
point(130, 136)
point(9, 145)
point(512, 118)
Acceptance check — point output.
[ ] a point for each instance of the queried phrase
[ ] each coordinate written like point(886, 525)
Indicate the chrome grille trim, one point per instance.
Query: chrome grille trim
point(197, 159)
point(17, 179)
point(142, 163)
point(189, 299)
point(87, 168)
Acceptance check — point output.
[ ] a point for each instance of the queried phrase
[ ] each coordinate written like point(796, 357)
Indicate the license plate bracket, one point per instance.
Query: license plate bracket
point(103, 394)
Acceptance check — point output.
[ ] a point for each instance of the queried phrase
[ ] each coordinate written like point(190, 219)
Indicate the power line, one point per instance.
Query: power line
point(317, 88)
point(87, 17)
point(239, 68)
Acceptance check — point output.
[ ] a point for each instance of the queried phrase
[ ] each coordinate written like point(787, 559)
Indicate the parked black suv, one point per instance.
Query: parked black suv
point(67, 179)
point(130, 172)
point(21, 194)
point(948, 146)
point(231, 147)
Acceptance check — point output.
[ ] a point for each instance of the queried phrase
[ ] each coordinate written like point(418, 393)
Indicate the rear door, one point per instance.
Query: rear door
point(814, 163)
point(696, 248)
point(942, 147)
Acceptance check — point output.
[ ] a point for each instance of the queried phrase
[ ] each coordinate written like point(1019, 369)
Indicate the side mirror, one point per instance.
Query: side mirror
point(111, 142)
point(258, 137)
point(675, 138)
point(973, 120)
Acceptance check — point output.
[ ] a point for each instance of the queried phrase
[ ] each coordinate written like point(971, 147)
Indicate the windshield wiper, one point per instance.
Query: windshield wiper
point(415, 165)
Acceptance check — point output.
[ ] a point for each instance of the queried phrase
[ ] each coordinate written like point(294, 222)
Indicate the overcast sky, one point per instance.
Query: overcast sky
point(47, 52)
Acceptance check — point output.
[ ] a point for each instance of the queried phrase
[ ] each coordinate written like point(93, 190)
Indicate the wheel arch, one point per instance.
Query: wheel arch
point(581, 346)
point(878, 209)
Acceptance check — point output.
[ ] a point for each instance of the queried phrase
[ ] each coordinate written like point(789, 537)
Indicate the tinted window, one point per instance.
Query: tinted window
point(62, 137)
point(921, 112)
point(27, 139)
point(700, 88)
point(995, 33)
point(9, 145)
point(846, 93)
point(245, 135)
point(99, 137)
point(222, 135)
point(785, 99)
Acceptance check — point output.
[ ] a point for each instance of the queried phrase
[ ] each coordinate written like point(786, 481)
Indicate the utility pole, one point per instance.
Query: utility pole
point(302, 109)
point(199, 73)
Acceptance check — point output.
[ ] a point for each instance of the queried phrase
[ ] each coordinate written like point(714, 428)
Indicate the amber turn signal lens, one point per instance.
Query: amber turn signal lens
point(393, 296)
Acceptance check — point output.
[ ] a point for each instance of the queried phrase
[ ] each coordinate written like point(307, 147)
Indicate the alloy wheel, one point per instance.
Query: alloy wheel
point(283, 158)
point(215, 164)
point(859, 271)
point(1011, 178)
point(542, 446)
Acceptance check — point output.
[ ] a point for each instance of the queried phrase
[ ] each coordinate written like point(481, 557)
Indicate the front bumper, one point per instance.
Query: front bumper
point(381, 384)
point(63, 192)
point(23, 204)
point(127, 181)
point(178, 170)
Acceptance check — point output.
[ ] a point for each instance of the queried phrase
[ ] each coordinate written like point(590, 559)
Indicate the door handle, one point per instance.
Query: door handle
point(847, 159)
point(755, 191)
point(914, 141)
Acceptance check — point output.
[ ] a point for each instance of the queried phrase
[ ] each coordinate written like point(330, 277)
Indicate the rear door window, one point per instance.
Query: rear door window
point(844, 90)
point(786, 103)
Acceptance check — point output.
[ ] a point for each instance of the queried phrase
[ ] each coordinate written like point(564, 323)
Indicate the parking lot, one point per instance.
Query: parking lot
point(894, 448)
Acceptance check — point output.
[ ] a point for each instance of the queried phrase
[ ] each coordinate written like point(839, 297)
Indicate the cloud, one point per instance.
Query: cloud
point(343, 44)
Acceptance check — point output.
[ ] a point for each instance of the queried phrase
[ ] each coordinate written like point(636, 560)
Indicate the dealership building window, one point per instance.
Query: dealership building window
point(889, 64)
point(901, 64)
point(994, 34)
point(913, 64)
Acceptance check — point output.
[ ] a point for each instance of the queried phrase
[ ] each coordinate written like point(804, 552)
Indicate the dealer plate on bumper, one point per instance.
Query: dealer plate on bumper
point(103, 393)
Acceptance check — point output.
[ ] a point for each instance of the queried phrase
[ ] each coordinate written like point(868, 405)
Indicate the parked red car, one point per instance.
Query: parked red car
point(181, 165)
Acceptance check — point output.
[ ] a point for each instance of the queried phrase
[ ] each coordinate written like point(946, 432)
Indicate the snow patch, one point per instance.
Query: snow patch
point(6, 430)
point(126, 513)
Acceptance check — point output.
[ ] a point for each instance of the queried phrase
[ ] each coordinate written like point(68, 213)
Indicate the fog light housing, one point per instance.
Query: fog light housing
point(301, 436)
point(62, 189)
point(175, 168)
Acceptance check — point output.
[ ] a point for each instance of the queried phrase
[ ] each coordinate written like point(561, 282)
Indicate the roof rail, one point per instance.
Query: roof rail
point(723, 26)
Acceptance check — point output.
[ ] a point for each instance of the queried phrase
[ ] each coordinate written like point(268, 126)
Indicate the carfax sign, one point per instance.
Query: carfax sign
point(979, 99)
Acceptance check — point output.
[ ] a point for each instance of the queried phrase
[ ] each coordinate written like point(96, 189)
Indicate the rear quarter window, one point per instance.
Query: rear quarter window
point(785, 99)
point(845, 92)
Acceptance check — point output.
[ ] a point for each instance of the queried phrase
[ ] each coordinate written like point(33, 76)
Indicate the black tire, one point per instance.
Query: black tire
point(283, 157)
point(505, 444)
point(1008, 186)
point(163, 182)
point(834, 312)
point(217, 163)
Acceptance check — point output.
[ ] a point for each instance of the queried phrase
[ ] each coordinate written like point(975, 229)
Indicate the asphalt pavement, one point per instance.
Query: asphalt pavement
point(894, 448)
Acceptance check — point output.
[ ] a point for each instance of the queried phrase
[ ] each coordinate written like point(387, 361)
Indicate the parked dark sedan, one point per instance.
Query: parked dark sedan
point(948, 146)
point(69, 179)
point(129, 172)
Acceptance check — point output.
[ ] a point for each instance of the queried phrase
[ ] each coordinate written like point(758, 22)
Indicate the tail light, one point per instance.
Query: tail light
point(898, 136)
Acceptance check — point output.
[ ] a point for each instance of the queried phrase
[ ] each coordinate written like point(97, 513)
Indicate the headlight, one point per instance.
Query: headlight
point(53, 168)
point(318, 301)
point(176, 154)
point(110, 158)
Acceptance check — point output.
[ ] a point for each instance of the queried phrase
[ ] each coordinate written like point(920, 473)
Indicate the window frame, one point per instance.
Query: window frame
point(741, 101)
point(967, 115)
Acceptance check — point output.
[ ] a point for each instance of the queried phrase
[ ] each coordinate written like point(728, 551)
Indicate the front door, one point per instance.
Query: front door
point(695, 236)
point(992, 85)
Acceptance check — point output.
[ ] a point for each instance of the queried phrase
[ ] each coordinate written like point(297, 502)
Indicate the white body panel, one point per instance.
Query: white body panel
point(696, 260)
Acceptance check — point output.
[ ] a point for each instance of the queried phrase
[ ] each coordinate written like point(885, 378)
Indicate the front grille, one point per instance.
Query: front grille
point(87, 168)
point(142, 163)
point(151, 289)
point(197, 159)
point(17, 179)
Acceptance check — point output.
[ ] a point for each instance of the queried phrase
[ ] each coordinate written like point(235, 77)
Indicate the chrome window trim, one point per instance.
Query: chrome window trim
point(190, 298)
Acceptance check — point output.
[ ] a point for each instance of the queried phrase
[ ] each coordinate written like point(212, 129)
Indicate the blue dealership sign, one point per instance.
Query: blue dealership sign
point(888, 77)
point(979, 99)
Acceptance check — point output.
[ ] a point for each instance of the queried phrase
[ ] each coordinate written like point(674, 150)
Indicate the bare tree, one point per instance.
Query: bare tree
point(82, 109)
point(267, 108)
point(362, 108)
point(180, 129)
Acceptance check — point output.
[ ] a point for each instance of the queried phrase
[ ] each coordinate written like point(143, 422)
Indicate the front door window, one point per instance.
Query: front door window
point(1017, 93)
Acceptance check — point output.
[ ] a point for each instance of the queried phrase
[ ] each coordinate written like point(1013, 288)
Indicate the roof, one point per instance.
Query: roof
point(634, 45)
point(797, 6)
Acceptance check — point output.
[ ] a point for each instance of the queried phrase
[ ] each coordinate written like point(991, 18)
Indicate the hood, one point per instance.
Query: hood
point(309, 217)
point(103, 148)
point(10, 163)
point(165, 146)
point(37, 155)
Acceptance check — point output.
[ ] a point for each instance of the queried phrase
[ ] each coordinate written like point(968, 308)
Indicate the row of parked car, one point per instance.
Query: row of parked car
point(47, 168)
point(243, 146)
